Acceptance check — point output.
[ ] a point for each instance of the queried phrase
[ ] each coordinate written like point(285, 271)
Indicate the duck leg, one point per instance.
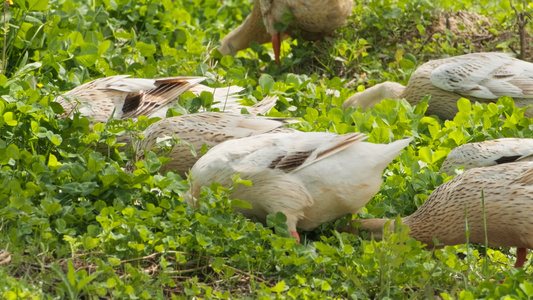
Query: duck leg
point(276, 45)
point(520, 257)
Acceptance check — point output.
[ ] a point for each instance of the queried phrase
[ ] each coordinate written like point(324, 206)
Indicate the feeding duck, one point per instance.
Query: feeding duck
point(312, 20)
point(508, 194)
point(488, 153)
point(482, 77)
point(209, 129)
point(311, 177)
point(125, 97)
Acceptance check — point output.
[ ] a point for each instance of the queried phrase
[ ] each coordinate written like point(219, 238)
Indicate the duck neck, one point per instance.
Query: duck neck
point(373, 226)
point(367, 98)
point(252, 30)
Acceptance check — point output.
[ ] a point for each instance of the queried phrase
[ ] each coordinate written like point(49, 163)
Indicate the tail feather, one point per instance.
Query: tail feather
point(262, 107)
point(125, 84)
point(396, 147)
point(225, 96)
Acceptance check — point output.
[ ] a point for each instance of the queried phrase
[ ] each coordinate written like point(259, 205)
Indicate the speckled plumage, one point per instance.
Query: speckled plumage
point(200, 129)
point(312, 177)
point(312, 20)
point(508, 192)
point(482, 77)
point(122, 97)
point(488, 153)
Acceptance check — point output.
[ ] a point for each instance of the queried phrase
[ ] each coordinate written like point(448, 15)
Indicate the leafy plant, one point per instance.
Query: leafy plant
point(75, 224)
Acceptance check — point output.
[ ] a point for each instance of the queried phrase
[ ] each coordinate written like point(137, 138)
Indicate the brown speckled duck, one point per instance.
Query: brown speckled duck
point(209, 129)
point(508, 191)
point(123, 97)
point(311, 177)
point(312, 20)
point(482, 77)
point(488, 153)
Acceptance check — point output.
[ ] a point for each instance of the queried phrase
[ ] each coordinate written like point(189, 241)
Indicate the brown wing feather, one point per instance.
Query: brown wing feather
point(287, 163)
point(167, 90)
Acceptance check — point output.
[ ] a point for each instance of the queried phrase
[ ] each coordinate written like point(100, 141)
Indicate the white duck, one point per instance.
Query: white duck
point(312, 20)
point(508, 192)
point(311, 177)
point(488, 153)
point(482, 77)
point(125, 97)
point(197, 130)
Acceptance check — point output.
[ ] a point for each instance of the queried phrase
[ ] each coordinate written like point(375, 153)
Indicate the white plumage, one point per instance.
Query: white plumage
point(311, 177)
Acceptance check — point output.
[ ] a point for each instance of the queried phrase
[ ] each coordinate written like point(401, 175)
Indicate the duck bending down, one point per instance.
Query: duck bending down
point(482, 77)
point(311, 177)
point(488, 153)
point(508, 193)
point(312, 20)
point(122, 97)
point(197, 130)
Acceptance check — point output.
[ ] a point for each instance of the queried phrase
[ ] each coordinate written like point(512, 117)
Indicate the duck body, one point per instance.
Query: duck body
point(311, 177)
point(123, 97)
point(488, 153)
point(209, 129)
point(508, 196)
point(312, 20)
point(482, 77)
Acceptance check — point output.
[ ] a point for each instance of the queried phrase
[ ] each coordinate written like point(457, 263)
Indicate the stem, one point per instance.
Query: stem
point(6, 27)
point(522, 33)
point(19, 16)
point(486, 258)
point(468, 258)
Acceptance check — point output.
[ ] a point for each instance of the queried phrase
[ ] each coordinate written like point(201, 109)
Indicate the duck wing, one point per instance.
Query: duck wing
point(197, 130)
point(262, 107)
point(98, 98)
point(209, 128)
point(324, 150)
point(488, 153)
point(484, 75)
point(165, 93)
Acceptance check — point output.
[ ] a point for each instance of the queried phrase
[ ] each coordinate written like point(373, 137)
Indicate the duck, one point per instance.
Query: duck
point(311, 177)
point(488, 153)
point(312, 20)
point(203, 129)
point(122, 97)
point(482, 77)
point(508, 194)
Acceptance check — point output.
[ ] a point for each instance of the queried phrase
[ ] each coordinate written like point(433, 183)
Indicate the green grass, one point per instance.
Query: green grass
point(75, 225)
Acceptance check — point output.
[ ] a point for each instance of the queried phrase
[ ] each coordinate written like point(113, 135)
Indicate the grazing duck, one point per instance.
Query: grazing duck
point(197, 130)
point(311, 177)
point(123, 97)
point(482, 77)
point(508, 192)
point(488, 153)
point(312, 20)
